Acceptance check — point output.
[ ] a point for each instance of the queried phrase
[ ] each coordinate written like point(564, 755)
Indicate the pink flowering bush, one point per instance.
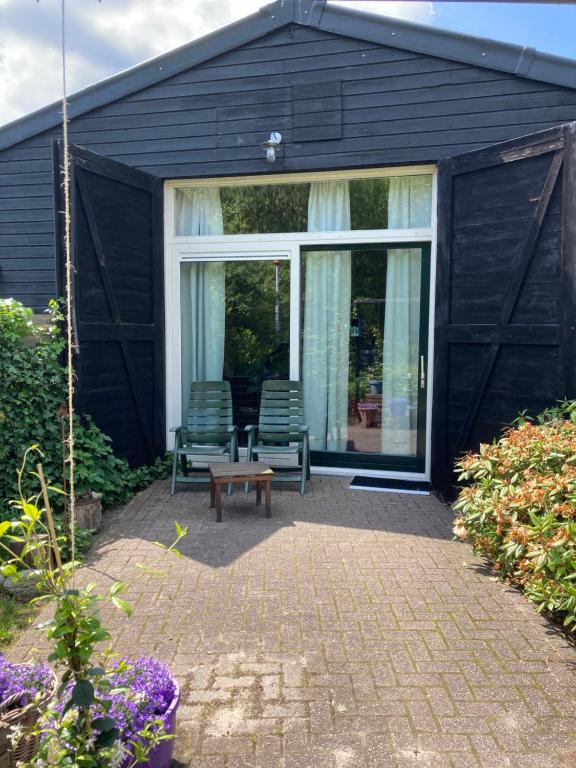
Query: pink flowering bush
point(519, 508)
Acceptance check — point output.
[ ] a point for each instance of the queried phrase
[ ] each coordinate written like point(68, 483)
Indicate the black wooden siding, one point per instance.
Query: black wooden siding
point(397, 107)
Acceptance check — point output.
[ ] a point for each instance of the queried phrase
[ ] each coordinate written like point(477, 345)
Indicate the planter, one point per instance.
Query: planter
point(161, 756)
point(25, 717)
point(45, 553)
point(25, 587)
point(375, 387)
point(89, 510)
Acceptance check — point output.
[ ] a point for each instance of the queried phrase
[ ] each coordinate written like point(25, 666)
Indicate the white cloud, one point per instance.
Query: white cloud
point(419, 11)
point(111, 35)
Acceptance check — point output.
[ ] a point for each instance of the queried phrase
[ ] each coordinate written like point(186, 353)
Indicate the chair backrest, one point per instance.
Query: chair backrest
point(281, 411)
point(209, 412)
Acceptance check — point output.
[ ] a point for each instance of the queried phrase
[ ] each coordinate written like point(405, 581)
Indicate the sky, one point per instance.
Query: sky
point(108, 36)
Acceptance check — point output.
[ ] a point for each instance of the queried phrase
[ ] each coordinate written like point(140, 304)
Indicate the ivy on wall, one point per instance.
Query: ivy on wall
point(32, 397)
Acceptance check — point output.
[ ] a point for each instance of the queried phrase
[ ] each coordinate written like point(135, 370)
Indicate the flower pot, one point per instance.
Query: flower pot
point(375, 387)
point(89, 510)
point(12, 754)
point(44, 555)
point(161, 756)
point(25, 587)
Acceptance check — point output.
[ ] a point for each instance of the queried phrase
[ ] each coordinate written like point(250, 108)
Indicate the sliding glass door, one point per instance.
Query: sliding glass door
point(323, 278)
point(235, 326)
point(364, 353)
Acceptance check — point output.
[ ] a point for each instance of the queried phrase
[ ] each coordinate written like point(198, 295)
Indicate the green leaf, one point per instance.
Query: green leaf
point(107, 738)
point(123, 605)
point(103, 724)
point(83, 693)
point(31, 512)
point(46, 624)
point(4, 527)
point(116, 588)
point(57, 490)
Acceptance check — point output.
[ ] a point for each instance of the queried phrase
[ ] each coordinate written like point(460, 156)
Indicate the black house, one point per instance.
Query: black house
point(382, 210)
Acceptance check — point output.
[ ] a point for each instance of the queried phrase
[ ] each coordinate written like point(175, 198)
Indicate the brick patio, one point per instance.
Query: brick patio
point(348, 631)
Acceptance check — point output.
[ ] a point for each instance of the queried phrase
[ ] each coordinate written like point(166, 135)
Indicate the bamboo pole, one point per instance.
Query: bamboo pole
point(51, 528)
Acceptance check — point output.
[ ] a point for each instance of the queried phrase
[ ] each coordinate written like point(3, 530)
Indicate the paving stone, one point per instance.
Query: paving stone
point(233, 745)
point(234, 682)
point(348, 631)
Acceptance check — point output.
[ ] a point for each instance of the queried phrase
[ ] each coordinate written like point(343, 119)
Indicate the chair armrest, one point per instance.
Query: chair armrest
point(303, 428)
point(250, 428)
point(232, 430)
point(177, 437)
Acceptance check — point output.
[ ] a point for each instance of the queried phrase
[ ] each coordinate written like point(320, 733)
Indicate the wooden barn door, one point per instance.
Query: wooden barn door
point(506, 291)
point(118, 302)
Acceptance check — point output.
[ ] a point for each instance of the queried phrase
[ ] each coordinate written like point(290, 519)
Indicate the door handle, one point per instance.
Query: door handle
point(422, 373)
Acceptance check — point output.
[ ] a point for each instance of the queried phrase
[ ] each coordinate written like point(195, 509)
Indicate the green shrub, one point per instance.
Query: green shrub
point(519, 508)
point(32, 396)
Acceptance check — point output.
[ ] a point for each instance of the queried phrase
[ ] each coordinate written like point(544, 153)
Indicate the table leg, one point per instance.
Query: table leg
point(258, 491)
point(268, 499)
point(212, 494)
point(218, 502)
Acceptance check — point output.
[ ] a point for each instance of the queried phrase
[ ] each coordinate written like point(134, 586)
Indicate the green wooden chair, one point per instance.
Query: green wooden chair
point(208, 431)
point(281, 430)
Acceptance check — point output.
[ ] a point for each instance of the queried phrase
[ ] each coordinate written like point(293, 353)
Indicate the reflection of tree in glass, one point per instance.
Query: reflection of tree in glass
point(284, 207)
point(368, 291)
point(369, 203)
point(251, 346)
point(253, 210)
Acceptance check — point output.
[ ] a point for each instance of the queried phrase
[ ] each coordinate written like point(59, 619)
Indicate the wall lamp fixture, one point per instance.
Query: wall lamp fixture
point(272, 145)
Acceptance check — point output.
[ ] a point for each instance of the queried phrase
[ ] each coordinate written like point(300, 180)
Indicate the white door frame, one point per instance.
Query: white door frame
point(285, 246)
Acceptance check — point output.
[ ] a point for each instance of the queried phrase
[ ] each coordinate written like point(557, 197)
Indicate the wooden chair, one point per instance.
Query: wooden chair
point(281, 430)
point(208, 431)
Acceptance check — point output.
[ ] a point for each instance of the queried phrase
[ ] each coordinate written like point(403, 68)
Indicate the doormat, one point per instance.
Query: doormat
point(381, 485)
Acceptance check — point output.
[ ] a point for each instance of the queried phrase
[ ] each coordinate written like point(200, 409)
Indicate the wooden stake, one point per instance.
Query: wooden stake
point(51, 528)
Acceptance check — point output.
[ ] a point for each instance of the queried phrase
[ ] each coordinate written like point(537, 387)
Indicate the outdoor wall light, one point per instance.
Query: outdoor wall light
point(272, 145)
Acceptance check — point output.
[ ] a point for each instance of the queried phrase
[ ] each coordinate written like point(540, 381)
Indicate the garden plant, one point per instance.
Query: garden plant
point(518, 508)
point(106, 712)
point(32, 394)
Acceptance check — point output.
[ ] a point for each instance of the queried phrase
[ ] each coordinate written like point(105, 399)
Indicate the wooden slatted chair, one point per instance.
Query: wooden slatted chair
point(208, 431)
point(281, 429)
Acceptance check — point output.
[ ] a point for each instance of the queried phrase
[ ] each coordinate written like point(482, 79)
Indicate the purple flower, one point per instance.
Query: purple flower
point(23, 680)
point(138, 692)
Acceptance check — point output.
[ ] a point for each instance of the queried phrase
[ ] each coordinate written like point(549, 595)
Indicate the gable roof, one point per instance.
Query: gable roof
point(418, 38)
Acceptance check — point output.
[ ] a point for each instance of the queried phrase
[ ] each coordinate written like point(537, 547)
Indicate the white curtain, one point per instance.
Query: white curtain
point(202, 292)
point(325, 356)
point(409, 201)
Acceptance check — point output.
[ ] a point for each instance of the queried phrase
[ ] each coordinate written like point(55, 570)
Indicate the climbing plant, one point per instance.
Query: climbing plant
point(32, 412)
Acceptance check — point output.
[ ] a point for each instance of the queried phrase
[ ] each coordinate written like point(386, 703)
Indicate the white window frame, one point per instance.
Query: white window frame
point(285, 246)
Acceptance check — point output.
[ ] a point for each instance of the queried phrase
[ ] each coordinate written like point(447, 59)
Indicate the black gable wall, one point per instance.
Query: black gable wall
point(372, 106)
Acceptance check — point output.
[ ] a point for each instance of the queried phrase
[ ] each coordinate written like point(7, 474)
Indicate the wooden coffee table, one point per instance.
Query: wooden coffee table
point(239, 472)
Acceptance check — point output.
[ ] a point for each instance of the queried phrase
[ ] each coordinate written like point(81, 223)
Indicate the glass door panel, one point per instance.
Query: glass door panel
point(364, 353)
point(235, 325)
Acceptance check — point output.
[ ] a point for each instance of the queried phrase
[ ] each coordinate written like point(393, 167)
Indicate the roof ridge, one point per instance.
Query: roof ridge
point(521, 61)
